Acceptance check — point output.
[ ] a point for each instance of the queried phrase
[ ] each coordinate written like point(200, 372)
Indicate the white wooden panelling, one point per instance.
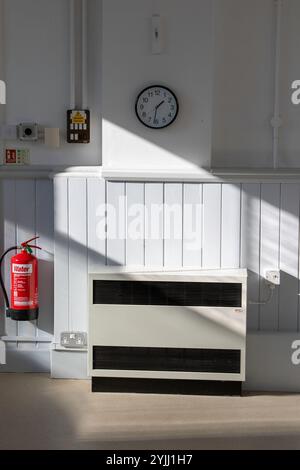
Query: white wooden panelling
point(289, 264)
point(192, 225)
point(173, 225)
point(248, 225)
point(45, 230)
point(96, 220)
point(78, 259)
point(116, 223)
point(270, 231)
point(10, 239)
point(212, 203)
point(61, 253)
point(26, 226)
point(135, 240)
point(154, 227)
point(231, 226)
point(27, 210)
point(250, 247)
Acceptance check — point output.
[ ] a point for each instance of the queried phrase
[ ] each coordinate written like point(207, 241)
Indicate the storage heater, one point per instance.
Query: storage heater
point(168, 332)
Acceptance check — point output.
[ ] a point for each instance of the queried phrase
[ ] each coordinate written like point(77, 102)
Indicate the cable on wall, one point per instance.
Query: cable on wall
point(268, 299)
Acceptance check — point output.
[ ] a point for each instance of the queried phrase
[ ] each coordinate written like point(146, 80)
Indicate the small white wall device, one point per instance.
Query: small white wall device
point(157, 45)
point(173, 332)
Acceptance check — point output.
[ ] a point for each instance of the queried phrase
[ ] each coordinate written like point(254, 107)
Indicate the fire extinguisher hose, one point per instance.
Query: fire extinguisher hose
point(1, 277)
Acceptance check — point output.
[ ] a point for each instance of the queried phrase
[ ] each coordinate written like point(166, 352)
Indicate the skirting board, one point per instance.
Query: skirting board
point(22, 361)
point(68, 364)
point(269, 366)
point(2, 353)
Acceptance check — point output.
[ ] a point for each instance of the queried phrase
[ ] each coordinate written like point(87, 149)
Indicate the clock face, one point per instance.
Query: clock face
point(156, 107)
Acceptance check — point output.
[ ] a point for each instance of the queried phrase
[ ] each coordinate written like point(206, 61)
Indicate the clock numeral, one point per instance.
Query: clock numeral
point(145, 100)
point(142, 107)
point(172, 107)
point(150, 94)
point(144, 114)
point(157, 92)
point(170, 115)
point(156, 121)
point(164, 120)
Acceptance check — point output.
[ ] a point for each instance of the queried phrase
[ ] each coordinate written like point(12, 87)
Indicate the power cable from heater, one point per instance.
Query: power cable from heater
point(269, 298)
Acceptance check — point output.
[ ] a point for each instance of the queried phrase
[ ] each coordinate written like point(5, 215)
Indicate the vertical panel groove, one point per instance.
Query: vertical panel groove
point(279, 253)
point(68, 231)
point(241, 211)
point(202, 222)
point(163, 225)
point(298, 267)
point(182, 221)
point(221, 223)
point(106, 226)
point(259, 272)
point(126, 224)
point(145, 215)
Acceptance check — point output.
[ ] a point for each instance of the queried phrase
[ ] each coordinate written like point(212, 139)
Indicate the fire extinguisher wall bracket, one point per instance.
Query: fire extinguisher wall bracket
point(22, 315)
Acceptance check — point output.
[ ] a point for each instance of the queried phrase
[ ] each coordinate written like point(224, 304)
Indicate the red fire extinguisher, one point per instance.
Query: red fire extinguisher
point(24, 304)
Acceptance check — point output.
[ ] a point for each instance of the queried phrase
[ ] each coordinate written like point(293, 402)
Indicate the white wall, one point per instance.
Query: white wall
point(185, 66)
point(37, 71)
point(244, 83)
point(37, 52)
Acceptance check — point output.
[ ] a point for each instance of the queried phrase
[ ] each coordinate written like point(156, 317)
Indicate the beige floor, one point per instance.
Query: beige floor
point(39, 413)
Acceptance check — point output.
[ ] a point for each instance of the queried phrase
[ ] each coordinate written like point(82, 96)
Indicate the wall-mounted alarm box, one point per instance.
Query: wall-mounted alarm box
point(78, 127)
point(28, 132)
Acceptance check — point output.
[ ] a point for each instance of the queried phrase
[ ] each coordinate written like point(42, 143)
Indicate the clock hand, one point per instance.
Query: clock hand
point(158, 106)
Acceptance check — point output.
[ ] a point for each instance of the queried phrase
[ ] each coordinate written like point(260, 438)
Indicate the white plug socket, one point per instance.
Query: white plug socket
point(273, 277)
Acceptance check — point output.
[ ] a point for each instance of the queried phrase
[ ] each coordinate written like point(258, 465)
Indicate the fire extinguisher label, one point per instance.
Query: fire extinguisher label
point(22, 269)
point(24, 281)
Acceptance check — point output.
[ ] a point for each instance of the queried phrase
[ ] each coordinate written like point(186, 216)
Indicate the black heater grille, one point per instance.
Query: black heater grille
point(189, 294)
point(167, 359)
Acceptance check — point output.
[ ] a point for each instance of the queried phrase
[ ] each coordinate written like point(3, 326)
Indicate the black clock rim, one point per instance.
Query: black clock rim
point(165, 88)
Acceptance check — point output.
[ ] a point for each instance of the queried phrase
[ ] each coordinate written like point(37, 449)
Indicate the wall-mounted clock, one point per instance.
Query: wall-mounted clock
point(156, 107)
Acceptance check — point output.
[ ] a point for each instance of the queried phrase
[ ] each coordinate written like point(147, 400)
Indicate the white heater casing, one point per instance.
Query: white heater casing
point(167, 326)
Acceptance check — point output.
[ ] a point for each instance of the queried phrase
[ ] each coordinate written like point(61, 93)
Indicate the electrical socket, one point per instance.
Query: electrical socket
point(73, 340)
point(273, 277)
